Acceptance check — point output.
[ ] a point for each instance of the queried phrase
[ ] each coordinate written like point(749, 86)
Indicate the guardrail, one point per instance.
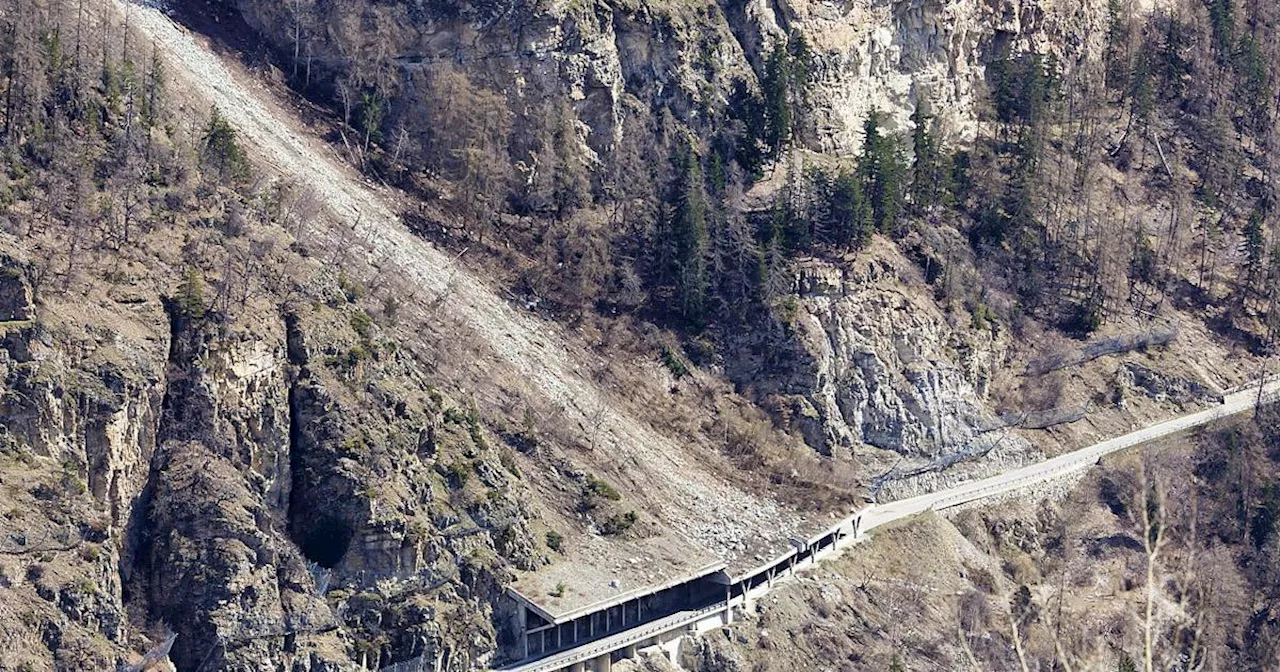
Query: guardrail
point(557, 661)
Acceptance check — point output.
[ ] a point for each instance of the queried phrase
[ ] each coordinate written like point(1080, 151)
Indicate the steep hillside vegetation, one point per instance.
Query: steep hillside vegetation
point(1046, 174)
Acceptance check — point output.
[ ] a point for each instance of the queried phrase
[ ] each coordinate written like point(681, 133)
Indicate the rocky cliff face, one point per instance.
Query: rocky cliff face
point(870, 367)
point(282, 493)
point(890, 55)
point(608, 57)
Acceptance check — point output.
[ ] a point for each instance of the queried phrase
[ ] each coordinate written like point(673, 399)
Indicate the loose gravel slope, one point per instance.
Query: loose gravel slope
point(699, 508)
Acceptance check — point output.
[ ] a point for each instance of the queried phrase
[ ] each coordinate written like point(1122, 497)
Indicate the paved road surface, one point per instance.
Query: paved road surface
point(1063, 464)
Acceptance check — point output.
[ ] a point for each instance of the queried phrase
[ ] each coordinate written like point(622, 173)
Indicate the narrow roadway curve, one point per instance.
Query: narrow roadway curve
point(1062, 465)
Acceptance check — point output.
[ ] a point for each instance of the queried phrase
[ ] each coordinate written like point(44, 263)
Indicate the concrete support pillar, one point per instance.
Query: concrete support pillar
point(604, 663)
point(629, 651)
point(577, 667)
point(522, 616)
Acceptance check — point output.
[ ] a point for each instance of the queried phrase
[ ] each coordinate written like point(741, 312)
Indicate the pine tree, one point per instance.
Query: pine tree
point(799, 71)
point(1116, 57)
point(774, 88)
point(689, 232)
point(1036, 89)
point(372, 110)
point(784, 89)
point(155, 90)
point(1255, 247)
point(1003, 87)
point(852, 220)
point(1175, 67)
point(221, 151)
point(1254, 90)
point(794, 210)
point(928, 179)
point(1222, 22)
point(191, 295)
point(882, 171)
point(1141, 88)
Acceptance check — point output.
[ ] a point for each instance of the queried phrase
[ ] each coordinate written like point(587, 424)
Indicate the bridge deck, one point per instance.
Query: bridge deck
point(634, 636)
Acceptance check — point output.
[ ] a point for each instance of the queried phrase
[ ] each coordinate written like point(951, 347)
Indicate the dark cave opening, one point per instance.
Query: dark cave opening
point(327, 542)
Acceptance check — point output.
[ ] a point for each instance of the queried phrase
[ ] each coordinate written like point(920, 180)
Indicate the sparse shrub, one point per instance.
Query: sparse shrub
point(390, 308)
point(525, 437)
point(599, 488)
point(473, 427)
point(981, 316)
point(559, 590)
point(91, 553)
point(435, 396)
point(350, 359)
point(555, 541)
point(1084, 318)
point(458, 472)
point(350, 288)
point(509, 463)
point(822, 608)
point(674, 363)
point(787, 309)
point(455, 416)
point(354, 446)
point(620, 523)
point(362, 324)
point(702, 351)
point(72, 484)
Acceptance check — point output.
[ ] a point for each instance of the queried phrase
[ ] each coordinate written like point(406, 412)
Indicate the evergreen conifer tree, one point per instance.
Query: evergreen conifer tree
point(689, 232)
point(221, 151)
point(929, 177)
point(882, 171)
